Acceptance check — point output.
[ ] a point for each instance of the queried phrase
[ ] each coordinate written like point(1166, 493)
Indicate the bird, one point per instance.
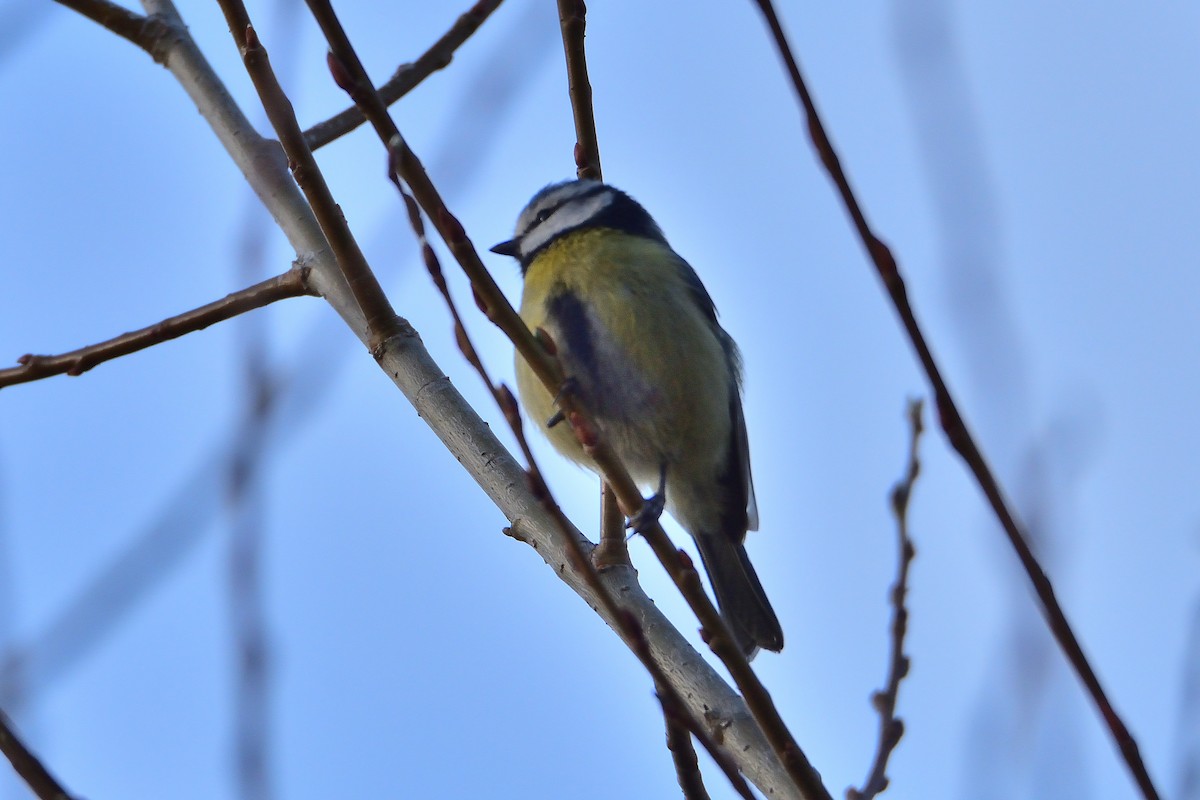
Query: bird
point(637, 336)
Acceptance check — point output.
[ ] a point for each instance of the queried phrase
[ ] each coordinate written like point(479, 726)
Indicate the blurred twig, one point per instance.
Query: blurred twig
point(953, 423)
point(1188, 741)
point(27, 765)
point(891, 728)
point(407, 76)
point(293, 283)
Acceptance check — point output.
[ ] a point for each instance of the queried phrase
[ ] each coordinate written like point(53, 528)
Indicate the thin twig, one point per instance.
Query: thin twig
point(32, 771)
point(572, 17)
point(407, 76)
point(891, 728)
point(293, 283)
point(374, 304)
point(613, 549)
point(350, 75)
point(953, 423)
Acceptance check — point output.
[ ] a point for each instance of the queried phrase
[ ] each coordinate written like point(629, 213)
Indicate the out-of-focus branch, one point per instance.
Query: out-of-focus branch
point(293, 283)
point(32, 771)
point(891, 728)
point(955, 426)
point(407, 76)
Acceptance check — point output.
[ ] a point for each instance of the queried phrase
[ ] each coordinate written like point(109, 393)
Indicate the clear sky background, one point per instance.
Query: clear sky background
point(1033, 166)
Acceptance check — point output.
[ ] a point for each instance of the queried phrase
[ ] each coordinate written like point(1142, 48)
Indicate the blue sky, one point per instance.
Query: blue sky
point(1033, 168)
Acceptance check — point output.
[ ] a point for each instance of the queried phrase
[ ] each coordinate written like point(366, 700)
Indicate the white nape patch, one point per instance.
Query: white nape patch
point(568, 208)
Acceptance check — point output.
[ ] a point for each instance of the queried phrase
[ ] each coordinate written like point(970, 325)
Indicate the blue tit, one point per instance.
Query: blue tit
point(637, 334)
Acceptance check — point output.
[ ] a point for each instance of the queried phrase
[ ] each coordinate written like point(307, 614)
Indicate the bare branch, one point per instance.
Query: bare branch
point(407, 76)
point(293, 283)
point(572, 17)
point(954, 425)
point(891, 728)
point(27, 765)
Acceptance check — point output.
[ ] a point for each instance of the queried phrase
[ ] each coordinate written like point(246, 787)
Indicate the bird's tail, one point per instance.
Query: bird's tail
point(743, 602)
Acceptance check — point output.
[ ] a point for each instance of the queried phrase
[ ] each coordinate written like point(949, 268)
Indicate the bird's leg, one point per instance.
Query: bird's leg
point(652, 506)
point(569, 386)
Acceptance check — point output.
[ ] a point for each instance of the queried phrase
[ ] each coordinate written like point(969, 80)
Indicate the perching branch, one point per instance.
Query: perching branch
point(27, 765)
point(891, 728)
point(293, 283)
point(953, 423)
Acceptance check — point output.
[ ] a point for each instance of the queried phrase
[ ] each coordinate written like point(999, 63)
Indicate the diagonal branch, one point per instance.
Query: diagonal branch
point(407, 76)
point(955, 426)
point(32, 771)
point(363, 284)
point(293, 283)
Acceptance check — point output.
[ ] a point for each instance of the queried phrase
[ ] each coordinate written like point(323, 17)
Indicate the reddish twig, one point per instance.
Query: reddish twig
point(954, 425)
point(891, 728)
point(32, 771)
point(407, 76)
point(293, 283)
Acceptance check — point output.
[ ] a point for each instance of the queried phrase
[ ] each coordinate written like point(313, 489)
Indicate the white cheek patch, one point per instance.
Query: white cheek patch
point(570, 215)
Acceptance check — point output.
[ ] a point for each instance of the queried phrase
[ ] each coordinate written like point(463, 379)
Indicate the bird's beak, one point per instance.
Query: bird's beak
point(510, 248)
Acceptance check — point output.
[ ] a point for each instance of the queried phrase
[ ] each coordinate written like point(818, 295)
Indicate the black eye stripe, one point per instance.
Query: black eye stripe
point(549, 211)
